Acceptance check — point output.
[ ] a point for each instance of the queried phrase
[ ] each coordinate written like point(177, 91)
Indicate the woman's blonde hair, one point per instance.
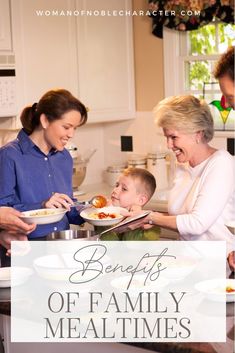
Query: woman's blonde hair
point(185, 113)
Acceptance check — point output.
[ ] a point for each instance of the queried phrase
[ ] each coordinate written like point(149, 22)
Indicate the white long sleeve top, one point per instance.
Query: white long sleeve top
point(203, 199)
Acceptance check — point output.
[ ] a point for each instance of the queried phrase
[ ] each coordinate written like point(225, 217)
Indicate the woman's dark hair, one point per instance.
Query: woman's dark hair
point(225, 65)
point(53, 104)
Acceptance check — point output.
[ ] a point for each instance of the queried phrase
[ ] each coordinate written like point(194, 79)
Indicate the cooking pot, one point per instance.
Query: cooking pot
point(71, 234)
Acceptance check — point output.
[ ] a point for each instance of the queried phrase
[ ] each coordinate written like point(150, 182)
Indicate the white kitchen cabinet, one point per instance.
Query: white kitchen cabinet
point(92, 56)
point(105, 59)
point(44, 48)
point(5, 26)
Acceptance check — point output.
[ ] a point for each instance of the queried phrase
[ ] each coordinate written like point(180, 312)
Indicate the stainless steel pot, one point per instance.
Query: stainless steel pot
point(70, 234)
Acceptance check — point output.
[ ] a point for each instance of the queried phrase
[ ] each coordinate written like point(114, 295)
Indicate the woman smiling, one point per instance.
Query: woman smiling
point(202, 197)
point(36, 169)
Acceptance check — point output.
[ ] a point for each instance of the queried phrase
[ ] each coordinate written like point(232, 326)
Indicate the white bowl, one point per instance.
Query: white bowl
point(54, 267)
point(180, 268)
point(88, 215)
point(215, 289)
point(5, 277)
point(58, 268)
point(19, 275)
point(231, 226)
point(138, 284)
point(43, 215)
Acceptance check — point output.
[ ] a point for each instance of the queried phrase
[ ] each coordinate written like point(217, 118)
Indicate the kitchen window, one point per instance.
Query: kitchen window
point(189, 59)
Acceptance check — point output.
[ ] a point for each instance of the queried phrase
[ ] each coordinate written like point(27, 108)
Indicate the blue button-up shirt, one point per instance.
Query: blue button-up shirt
point(28, 177)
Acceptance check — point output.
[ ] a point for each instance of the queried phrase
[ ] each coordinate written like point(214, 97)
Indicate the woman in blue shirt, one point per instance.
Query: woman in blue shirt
point(36, 169)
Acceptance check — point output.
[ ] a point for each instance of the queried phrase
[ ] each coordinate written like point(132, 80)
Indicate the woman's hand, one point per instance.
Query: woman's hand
point(6, 238)
point(156, 219)
point(58, 200)
point(139, 223)
point(145, 223)
point(10, 220)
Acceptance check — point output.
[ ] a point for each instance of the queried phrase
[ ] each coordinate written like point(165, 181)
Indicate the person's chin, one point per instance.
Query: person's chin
point(181, 158)
point(59, 147)
point(115, 202)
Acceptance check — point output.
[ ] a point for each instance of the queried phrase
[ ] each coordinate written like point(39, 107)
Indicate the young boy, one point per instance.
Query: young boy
point(133, 190)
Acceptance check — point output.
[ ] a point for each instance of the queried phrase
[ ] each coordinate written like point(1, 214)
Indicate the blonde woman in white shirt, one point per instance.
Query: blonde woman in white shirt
point(202, 197)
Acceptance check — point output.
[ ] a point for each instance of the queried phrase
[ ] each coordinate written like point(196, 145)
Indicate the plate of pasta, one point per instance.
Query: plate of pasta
point(105, 216)
point(43, 215)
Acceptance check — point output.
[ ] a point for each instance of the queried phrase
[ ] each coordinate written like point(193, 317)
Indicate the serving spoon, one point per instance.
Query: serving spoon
point(97, 201)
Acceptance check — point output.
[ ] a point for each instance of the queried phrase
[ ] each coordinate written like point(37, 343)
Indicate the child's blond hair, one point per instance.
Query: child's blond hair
point(147, 182)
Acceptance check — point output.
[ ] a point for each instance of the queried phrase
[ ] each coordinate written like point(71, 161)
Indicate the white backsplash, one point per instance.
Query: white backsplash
point(146, 137)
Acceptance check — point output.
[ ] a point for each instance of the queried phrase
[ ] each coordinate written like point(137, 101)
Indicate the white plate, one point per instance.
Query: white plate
point(19, 274)
point(126, 222)
point(118, 211)
point(215, 289)
point(43, 215)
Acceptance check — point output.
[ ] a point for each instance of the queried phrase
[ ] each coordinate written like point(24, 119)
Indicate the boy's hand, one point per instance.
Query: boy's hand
point(142, 223)
point(139, 223)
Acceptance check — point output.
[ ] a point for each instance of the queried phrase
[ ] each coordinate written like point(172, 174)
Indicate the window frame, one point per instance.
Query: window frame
point(174, 44)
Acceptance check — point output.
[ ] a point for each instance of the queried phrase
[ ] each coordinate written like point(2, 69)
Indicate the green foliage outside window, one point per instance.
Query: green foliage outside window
point(202, 41)
point(199, 73)
point(208, 40)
